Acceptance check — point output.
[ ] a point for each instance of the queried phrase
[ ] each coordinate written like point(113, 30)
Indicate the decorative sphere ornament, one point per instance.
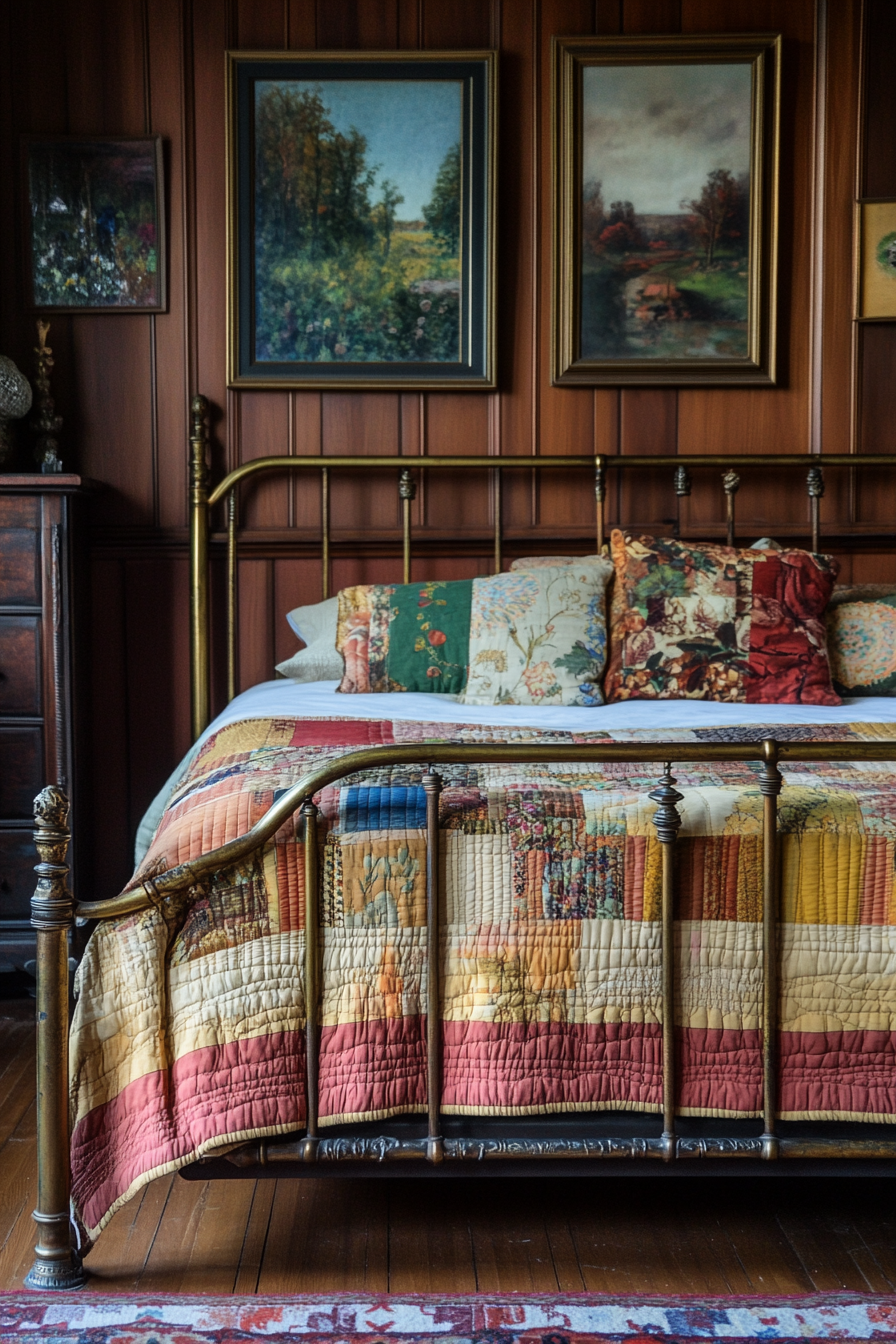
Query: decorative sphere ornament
point(15, 401)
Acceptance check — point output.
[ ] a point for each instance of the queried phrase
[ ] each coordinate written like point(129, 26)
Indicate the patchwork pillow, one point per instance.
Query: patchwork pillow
point(861, 623)
point(319, 661)
point(536, 638)
point(702, 622)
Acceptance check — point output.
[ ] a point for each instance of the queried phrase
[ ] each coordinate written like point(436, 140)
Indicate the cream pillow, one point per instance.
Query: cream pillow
point(552, 561)
point(319, 660)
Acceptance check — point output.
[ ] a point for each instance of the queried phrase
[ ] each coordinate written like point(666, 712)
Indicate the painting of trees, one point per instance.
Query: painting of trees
point(338, 274)
point(717, 215)
point(443, 212)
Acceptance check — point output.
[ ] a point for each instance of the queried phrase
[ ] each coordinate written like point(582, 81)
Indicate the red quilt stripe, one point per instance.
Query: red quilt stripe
point(259, 1083)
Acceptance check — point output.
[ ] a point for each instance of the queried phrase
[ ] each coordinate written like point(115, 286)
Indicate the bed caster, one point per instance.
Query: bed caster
point(57, 1266)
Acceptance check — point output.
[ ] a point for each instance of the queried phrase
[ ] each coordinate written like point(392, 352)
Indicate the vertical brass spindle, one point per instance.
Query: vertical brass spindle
point(667, 821)
point(312, 980)
point(232, 602)
point(407, 490)
point(815, 487)
point(497, 474)
point(731, 483)
point(57, 1264)
point(600, 495)
point(199, 662)
point(325, 526)
point(682, 491)
point(770, 786)
point(435, 1149)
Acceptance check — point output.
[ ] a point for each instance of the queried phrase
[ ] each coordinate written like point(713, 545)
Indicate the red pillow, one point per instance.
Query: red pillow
point(695, 622)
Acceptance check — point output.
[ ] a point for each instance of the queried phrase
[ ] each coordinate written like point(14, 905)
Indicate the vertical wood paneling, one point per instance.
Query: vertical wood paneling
point(167, 110)
point(565, 416)
point(211, 35)
point(123, 382)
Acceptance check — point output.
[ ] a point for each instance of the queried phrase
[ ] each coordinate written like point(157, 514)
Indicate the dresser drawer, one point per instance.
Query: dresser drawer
point(21, 770)
point(20, 669)
point(19, 552)
point(17, 877)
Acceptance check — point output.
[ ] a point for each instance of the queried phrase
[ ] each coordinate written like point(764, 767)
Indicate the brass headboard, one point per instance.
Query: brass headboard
point(203, 500)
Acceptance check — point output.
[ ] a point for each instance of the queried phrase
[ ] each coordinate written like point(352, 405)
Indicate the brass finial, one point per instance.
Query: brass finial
point(815, 483)
point(666, 818)
point(682, 481)
point(407, 486)
point(731, 482)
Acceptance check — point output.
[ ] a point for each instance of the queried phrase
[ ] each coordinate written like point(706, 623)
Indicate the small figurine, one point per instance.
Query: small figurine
point(46, 424)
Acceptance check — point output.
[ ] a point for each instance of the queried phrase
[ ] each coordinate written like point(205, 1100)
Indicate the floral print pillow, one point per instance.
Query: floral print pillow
point(862, 639)
point(535, 638)
point(693, 622)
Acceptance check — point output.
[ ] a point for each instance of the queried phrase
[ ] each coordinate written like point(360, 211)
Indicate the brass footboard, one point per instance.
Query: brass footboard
point(57, 1264)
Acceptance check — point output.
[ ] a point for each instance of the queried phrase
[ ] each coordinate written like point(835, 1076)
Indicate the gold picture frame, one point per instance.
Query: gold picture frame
point(875, 233)
point(359, 258)
point(673, 282)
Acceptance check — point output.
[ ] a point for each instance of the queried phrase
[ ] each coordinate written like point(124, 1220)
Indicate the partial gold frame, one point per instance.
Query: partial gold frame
point(314, 382)
point(570, 57)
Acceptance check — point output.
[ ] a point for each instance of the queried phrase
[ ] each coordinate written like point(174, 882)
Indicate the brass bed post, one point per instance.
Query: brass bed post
point(498, 476)
point(600, 495)
point(731, 484)
point(312, 980)
point(435, 1147)
point(667, 821)
point(815, 488)
point(325, 530)
point(232, 596)
point(407, 491)
point(770, 782)
point(199, 661)
point(57, 1263)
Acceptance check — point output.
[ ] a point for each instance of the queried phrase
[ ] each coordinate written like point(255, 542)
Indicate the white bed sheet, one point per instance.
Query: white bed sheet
point(320, 699)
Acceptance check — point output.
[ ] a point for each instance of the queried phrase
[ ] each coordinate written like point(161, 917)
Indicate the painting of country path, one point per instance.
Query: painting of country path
point(357, 216)
point(665, 211)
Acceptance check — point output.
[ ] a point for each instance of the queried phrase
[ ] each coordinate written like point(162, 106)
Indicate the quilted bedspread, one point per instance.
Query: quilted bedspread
point(188, 1033)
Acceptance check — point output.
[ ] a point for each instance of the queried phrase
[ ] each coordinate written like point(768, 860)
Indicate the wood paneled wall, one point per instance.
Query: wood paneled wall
point(123, 382)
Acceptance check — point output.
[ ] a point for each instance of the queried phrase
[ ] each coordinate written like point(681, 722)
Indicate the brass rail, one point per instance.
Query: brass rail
point(153, 889)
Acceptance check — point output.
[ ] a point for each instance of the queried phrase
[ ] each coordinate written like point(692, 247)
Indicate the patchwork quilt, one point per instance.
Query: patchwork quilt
point(188, 1032)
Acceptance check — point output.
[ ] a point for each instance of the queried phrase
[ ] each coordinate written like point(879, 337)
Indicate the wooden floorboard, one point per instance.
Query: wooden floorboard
point(706, 1237)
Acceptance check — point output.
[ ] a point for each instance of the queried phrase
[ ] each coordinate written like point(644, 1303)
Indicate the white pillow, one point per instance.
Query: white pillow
point(319, 661)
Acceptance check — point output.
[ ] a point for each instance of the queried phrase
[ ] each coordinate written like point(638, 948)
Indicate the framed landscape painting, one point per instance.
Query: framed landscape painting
point(95, 226)
point(362, 219)
point(665, 210)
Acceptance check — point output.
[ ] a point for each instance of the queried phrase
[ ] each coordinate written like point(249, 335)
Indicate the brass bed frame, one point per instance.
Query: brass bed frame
point(588, 1143)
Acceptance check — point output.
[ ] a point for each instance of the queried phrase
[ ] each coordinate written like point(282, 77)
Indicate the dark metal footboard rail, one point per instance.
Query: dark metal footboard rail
point(57, 1264)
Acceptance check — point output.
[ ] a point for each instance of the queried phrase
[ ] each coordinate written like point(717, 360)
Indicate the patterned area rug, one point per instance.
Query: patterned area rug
point(81, 1318)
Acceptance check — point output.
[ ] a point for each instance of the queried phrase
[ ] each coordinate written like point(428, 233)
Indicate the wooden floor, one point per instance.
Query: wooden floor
point(564, 1235)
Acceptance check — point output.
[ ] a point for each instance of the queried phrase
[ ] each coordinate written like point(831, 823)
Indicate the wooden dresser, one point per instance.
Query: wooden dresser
point(39, 668)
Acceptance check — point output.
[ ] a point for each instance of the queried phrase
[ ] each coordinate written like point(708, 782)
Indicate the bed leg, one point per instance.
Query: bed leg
point(57, 1264)
point(667, 821)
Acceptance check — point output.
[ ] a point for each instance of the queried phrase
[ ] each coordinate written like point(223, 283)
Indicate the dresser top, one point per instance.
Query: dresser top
point(49, 483)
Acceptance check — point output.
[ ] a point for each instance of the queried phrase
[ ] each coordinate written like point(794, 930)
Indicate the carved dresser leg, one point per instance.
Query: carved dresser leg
point(57, 1263)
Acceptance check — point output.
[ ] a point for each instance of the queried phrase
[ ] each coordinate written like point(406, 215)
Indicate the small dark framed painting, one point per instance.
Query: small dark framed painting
point(361, 214)
point(665, 209)
point(95, 227)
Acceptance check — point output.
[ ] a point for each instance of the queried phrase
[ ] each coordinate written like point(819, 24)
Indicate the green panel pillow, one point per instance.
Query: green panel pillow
point(535, 638)
point(862, 639)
